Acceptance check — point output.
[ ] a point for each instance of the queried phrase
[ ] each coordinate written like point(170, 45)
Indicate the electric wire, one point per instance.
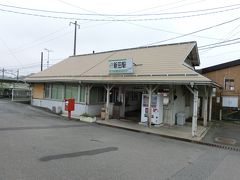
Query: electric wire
point(111, 15)
point(116, 20)
point(197, 31)
point(213, 44)
point(10, 52)
point(24, 45)
point(220, 45)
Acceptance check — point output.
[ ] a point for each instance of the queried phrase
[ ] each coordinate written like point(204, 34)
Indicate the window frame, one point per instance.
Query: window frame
point(49, 90)
point(61, 92)
point(229, 84)
point(72, 86)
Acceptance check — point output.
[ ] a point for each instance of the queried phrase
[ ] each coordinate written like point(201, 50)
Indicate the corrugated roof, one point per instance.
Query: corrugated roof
point(164, 63)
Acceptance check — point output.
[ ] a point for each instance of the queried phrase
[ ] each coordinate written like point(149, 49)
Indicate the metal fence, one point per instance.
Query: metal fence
point(21, 94)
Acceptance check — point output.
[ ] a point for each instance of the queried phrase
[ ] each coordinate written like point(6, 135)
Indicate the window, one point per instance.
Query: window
point(71, 91)
point(230, 101)
point(229, 84)
point(57, 91)
point(47, 90)
point(96, 95)
point(82, 94)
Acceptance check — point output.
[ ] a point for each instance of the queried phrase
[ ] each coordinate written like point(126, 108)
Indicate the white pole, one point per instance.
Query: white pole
point(194, 118)
point(149, 106)
point(107, 103)
point(210, 106)
point(205, 111)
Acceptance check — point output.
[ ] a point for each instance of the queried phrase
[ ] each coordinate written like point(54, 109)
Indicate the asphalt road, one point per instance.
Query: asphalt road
point(38, 145)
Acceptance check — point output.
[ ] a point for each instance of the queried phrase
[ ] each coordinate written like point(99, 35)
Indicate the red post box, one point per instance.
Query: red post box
point(69, 106)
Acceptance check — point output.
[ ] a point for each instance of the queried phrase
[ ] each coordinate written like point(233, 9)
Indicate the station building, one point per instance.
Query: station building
point(122, 80)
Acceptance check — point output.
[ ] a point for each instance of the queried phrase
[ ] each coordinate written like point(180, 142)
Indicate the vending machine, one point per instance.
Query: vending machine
point(156, 108)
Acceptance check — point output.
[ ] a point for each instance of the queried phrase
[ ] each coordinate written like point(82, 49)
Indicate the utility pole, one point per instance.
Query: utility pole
point(3, 73)
point(75, 35)
point(17, 74)
point(48, 51)
point(41, 61)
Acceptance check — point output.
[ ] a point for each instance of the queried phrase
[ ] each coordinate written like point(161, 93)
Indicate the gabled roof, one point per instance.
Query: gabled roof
point(154, 64)
point(221, 66)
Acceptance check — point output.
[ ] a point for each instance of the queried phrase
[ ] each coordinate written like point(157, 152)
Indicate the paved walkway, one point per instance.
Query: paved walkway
point(223, 132)
point(177, 132)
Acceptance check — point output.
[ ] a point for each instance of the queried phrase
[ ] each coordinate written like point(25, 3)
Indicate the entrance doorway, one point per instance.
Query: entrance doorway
point(133, 105)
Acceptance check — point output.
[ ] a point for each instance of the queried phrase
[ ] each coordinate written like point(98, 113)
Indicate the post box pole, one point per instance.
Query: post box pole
point(69, 114)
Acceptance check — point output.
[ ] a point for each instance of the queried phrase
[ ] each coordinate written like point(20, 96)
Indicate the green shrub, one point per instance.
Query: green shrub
point(86, 115)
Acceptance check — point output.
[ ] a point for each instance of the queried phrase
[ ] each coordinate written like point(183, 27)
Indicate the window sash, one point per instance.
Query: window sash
point(229, 84)
point(47, 91)
point(57, 91)
point(82, 94)
point(71, 91)
point(97, 95)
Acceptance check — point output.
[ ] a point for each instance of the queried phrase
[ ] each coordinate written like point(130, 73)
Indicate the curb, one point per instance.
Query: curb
point(220, 146)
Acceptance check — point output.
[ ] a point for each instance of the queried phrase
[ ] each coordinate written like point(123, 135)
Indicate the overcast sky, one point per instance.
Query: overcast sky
point(27, 28)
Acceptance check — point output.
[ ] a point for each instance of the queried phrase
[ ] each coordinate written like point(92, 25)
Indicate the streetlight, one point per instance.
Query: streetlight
point(48, 51)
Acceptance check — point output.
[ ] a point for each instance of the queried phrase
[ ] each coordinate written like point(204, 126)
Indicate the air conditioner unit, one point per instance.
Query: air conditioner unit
point(59, 110)
point(54, 109)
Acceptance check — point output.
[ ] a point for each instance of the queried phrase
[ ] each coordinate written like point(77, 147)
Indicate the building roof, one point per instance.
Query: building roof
point(172, 63)
point(220, 66)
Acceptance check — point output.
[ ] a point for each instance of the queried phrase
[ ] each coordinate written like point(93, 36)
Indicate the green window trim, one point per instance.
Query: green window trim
point(61, 91)
point(97, 95)
point(71, 91)
point(57, 91)
point(47, 91)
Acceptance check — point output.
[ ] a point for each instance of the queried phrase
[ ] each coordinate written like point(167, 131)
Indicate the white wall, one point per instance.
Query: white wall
point(179, 102)
point(59, 105)
point(48, 104)
point(189, 109)
point(95, 110)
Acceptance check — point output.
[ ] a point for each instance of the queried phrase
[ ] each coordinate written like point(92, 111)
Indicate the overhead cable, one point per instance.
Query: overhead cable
point(111, 15)
point(197, 31)
point(117, 20)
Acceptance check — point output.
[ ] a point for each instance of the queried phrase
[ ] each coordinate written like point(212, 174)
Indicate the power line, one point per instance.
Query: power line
point(216, 55)
point(172, 32)
point(38, 39)
point(161, 5)
point(10, 51)
point(104, 14)
point(229, 35)
point(218, 43)
point(116, 20)
point(147, 27)
point(26, 48)
point(194, 32)
point(233, 43)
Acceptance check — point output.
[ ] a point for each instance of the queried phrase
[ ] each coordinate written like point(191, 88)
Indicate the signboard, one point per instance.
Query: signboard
point(120, 66)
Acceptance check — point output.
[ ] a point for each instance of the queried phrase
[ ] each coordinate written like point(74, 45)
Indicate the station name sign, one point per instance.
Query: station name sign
point(120, 66)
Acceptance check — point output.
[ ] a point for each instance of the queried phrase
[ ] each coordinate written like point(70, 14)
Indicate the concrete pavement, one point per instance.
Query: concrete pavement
point(224, 132)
